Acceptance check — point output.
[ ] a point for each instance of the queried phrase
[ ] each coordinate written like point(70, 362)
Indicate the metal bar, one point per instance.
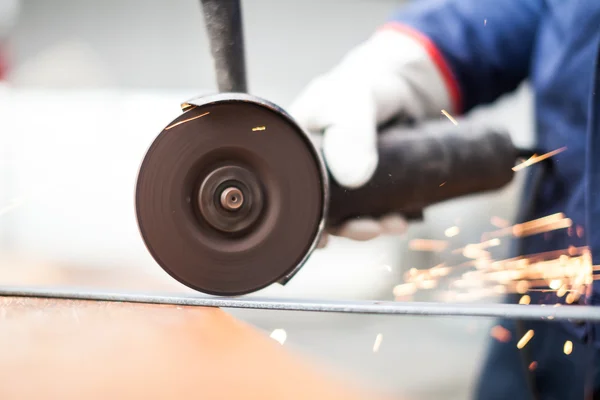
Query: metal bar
point(514, 311)
point(223, 19)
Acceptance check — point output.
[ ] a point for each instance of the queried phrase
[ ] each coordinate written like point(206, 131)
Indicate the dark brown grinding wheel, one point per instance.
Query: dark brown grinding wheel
point(231, 196)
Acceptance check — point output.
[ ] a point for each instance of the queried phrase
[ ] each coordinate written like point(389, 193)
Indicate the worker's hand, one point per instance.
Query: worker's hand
point(391, 74)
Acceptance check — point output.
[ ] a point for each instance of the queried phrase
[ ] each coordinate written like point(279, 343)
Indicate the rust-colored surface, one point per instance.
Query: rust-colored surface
point(61, 349)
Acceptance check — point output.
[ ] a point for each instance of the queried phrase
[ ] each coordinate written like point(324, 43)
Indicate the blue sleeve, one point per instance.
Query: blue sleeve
point(487, 44)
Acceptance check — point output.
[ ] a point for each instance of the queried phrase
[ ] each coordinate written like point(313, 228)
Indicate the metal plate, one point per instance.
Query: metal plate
point(574, 313)
point(222, 131)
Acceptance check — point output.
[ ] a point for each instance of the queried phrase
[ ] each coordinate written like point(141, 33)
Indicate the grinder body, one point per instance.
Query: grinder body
point(233, 195)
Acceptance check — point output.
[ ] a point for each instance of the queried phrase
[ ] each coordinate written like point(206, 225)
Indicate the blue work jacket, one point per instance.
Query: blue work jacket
point(489, 47)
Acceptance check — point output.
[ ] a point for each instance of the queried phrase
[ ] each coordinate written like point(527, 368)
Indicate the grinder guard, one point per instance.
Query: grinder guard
point(221, 142)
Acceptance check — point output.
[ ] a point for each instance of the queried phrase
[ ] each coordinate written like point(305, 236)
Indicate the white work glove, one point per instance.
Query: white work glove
point(391, 74)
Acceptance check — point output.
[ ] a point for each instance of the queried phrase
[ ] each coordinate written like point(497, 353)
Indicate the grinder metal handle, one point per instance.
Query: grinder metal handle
point(223, 19)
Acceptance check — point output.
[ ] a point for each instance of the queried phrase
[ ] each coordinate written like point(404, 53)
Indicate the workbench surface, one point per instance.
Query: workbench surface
point(67, 349)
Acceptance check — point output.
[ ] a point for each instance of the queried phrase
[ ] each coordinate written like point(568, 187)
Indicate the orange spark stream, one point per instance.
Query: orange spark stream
point(186, 121)
point(536, 159)
point(525, 339)
point(428, 245)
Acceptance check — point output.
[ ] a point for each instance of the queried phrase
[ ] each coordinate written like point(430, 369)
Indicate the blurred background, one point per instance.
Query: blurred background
point(87, 85)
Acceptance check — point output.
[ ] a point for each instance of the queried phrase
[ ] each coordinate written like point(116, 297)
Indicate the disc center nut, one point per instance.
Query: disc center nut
point(232, 198)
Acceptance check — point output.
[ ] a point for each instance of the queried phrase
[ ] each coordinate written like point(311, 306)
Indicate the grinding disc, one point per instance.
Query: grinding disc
point(231, 195)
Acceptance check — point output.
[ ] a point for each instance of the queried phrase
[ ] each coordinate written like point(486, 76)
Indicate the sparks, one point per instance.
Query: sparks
point(377, 343)
point(185, 107)
point(427, 284)
point(279, 335)
point(499, 222)
point(555, 284)
point(535, 159)
point(406, 289)
point(450, 117)
point(452, 231)
point(566, 272)
point(522, 287)
point(533, 365)
point(541, 225)
point(428, 245)
point(562, 291)
point(500, 333)
point(186, 121)
point(475, 252)
point(525, 299)
point(525, 339)
point(439, 270)
point(481, 245)
point(562, 224)
point(259, 128)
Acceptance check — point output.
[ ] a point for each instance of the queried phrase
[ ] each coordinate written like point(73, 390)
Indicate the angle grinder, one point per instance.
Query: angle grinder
point(233, 195)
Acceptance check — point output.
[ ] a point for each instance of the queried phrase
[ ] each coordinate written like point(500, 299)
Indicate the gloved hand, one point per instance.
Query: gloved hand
point(394, 73)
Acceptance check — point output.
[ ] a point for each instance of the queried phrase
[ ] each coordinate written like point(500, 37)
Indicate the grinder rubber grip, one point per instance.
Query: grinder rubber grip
point(418, 168)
